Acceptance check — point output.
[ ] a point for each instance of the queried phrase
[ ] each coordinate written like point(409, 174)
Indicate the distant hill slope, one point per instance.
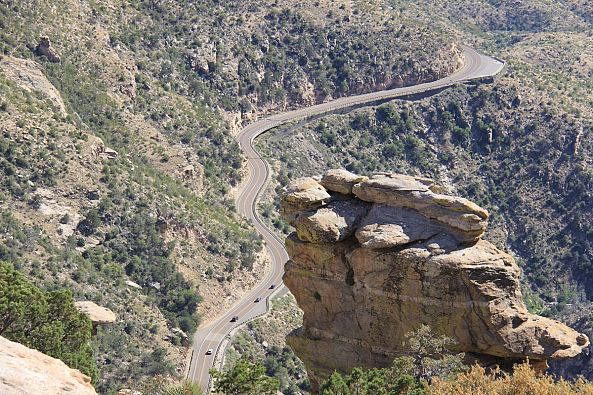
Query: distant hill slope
point(118, 160)
point(520, 147)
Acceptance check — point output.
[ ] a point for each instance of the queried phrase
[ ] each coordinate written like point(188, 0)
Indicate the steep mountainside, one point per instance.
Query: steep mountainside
point(117, 152)
point(520, 147)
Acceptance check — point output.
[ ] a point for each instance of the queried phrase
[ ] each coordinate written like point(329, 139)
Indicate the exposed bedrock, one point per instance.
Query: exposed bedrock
point(373, 259)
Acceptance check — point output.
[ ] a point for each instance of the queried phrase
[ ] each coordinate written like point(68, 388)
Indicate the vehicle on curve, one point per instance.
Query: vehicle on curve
point(235, 318)
point(257, 300)
point(209, 352)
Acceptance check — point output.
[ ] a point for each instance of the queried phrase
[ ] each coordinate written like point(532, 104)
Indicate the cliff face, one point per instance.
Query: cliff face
point(27, 371)
point(373, 259)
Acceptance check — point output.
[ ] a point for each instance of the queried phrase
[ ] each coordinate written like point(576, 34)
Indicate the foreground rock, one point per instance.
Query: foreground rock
point(24, 371)
point(369, 267)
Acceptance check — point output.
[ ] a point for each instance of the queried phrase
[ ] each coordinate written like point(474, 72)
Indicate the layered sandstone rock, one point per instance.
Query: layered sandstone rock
point(24, 371)
point(370, 265)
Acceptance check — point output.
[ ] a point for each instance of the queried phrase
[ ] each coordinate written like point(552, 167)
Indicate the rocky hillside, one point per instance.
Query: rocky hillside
point(117, 154)
point(112, 226)
point(372, 259)
point(519, 147)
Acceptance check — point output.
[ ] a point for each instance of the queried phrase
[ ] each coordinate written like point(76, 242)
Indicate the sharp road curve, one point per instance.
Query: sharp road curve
point(476, 67)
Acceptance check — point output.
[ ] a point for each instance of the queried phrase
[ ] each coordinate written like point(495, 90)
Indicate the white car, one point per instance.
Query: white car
point(209, 352)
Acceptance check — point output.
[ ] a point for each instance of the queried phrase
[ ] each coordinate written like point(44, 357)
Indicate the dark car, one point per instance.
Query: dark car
point(209, 352)
point(273, 286)
point(257, 300)
point(235, 318)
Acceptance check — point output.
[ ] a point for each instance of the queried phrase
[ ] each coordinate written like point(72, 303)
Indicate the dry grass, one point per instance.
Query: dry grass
point(523, 381)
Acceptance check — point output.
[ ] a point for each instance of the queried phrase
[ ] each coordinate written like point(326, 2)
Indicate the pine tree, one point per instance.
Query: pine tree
point(245, 378)
point(46, 321)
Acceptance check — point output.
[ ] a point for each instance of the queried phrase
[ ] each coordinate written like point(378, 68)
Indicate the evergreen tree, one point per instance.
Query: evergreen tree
point(46, 321)
point(335, 385)
point(245, 378)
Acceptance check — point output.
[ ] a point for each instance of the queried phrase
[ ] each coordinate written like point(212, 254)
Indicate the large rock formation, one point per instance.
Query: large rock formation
point(373, 259)
point(24, 371)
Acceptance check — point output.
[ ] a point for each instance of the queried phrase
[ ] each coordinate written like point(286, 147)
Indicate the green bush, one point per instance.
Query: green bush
point(46, 321)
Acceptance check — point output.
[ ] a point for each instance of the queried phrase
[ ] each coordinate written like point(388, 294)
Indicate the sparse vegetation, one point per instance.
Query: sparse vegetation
point(165, 87)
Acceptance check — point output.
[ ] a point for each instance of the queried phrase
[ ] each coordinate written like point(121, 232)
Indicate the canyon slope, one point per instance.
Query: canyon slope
point(374, 258)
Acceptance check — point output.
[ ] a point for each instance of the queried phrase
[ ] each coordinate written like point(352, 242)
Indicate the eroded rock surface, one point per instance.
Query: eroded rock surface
point(341, 181)
point(302, 195)
point(334, 222)
point(24, 371)
point(369, 266)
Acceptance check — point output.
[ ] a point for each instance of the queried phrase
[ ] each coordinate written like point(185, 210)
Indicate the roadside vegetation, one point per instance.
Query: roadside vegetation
point(263, 341)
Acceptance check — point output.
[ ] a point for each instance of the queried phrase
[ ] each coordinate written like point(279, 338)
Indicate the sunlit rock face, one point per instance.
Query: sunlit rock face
point(374, 258)
point(24, 371)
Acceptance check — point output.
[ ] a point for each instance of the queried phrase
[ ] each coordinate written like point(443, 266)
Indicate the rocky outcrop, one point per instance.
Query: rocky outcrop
point(44, 48)
point(341, 181)
point(302, 195)
point(100, 150)
point(97, 314)
point(369, 266)
point(24, 371)
point(29, 76)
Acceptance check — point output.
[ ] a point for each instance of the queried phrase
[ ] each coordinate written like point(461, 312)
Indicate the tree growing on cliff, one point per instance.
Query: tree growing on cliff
point(428, 357)
point(244, 378)
point(46, 321)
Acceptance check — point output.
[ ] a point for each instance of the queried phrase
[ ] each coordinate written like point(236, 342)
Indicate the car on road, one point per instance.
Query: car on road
point(235, 318)
point(257, 300)
point(273, 286)
point(209, 352)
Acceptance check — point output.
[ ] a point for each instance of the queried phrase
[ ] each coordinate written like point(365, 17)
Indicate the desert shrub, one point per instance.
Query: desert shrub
point(524, 380)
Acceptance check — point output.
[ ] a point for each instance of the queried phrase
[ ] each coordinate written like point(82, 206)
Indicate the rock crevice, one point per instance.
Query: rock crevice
point(374, 258)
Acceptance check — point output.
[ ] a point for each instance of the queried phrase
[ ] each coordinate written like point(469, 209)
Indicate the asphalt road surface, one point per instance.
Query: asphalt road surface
point(476, 67)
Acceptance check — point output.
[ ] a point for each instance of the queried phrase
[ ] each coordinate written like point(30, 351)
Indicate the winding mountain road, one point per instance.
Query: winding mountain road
point(476, 67)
